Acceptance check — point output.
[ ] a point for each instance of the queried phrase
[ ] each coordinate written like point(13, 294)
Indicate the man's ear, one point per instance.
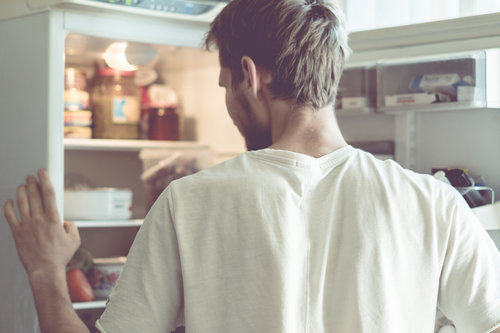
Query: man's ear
point(250, 77)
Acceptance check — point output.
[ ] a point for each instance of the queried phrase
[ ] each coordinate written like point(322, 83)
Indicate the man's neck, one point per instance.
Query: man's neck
point(303, 130)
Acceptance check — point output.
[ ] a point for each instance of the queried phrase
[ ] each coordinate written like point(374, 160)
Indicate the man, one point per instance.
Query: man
point(303, 233)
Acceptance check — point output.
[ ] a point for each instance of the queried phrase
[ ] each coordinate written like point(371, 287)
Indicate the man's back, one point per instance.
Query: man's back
point(276, 241)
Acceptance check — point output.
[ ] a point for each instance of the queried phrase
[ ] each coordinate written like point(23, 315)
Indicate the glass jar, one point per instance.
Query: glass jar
point(163, 123)
point(115, 103)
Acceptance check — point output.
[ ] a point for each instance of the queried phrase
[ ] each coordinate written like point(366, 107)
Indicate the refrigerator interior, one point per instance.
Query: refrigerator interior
point(193, 74)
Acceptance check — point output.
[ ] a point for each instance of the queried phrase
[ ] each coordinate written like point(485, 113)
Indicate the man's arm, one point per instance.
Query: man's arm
point(45, 247)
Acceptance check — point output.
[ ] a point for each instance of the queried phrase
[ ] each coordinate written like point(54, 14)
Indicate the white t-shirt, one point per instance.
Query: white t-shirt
point(276, 241)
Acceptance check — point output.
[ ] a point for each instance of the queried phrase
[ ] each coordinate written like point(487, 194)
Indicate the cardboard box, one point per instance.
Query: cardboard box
point(410, 99)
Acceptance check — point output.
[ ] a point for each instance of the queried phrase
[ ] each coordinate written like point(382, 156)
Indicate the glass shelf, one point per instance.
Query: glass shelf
point(109, 224)
point(356, 112)
point(441, 107)
point(127, 145)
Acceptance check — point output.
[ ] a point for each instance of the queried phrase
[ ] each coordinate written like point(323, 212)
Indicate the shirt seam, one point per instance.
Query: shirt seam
point(335, 160)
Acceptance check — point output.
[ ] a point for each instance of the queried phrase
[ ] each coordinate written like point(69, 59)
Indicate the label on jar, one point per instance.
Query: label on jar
point(126, 110)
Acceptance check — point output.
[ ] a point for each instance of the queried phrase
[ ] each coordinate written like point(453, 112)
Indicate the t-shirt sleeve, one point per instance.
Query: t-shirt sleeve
point(470, 278)
point(148, 296)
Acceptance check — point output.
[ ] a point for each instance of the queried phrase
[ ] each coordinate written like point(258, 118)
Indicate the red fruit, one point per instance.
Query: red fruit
point(78, 286)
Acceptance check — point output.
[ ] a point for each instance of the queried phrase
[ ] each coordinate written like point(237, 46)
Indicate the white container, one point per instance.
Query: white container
point(105, 273)
point(98, 204)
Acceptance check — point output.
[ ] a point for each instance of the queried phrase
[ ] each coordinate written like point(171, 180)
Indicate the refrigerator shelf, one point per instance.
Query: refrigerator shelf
point(437, 107)
point(109, 224)
point(356, 112)
point(127, 145)
point(100, 304)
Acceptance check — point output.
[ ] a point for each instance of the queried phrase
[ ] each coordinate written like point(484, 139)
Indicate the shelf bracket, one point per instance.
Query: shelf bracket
point(405, 139)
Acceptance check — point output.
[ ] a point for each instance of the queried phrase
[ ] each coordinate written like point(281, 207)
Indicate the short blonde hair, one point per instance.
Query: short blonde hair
point(303, 43)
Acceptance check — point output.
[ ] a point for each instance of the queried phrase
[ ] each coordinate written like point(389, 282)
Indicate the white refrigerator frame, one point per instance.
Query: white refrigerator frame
point(32, 85)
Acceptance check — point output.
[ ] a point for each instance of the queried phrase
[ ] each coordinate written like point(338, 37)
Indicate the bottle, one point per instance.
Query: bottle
point(115, 103)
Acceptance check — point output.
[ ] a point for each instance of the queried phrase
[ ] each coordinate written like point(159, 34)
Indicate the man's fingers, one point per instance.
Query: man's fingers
point(72, 231)
point(35, 201)
point(10, 215)
point(22, 203)
point(48, 194)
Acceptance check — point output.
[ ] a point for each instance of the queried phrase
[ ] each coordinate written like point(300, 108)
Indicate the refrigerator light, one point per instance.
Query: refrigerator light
point(115, 57)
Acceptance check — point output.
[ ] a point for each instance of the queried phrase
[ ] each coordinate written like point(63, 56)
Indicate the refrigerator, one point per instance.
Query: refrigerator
point(41, 39)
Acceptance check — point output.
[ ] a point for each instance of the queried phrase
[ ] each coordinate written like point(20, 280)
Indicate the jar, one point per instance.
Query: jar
point(76, 96)
point(163, 123)
point(115, 103)
point(161, 114)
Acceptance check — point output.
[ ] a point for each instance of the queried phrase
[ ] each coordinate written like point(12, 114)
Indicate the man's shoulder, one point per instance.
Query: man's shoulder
point(389, 173)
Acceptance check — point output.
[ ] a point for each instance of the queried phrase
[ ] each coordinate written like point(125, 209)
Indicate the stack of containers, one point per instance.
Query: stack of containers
point(77, 116)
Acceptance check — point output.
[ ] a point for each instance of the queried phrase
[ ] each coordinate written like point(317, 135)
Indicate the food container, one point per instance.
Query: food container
point(104, 275)
point(161, 166)
point(76, 96)
point(98, 204)
point(77, 117)
point(161, 113)
point(115, 101)
point(78, 124)
point(163, 124)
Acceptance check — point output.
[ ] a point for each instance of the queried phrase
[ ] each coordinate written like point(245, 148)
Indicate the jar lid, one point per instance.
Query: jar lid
point(107, 71)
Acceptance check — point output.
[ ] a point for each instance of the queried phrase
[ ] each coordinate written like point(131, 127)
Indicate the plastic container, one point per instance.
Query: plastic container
point(98, 204)
point(436, 83)
point(104, 275)
point(115, 101)
point(357, 91)
point(161, 166)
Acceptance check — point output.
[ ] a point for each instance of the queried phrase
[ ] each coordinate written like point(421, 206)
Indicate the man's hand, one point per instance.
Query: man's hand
point(45, 247)
point(43, 244)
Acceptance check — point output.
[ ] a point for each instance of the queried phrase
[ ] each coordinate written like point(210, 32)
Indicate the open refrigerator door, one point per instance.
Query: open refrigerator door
point(54, 57)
